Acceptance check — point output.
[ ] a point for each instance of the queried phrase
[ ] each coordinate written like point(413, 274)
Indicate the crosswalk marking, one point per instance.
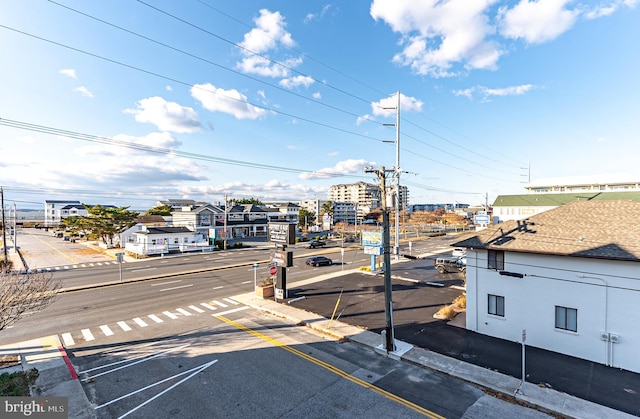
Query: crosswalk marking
point(140, 322)
point(209, 306)
point(106, 330)
point(230, 301)
point(219, 303)
point(87, 335)
point(196, 309)
point(68, 339)
point(183, 311)
point(124, 326)
point(155, 318)
point(170, 315)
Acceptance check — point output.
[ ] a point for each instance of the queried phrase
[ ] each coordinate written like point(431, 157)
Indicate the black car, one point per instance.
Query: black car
point(318, 261)
point(316, 243)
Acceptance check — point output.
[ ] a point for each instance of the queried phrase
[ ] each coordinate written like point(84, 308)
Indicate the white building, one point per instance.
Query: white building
point(569, 276)
point(545, 194)
point(55, 211)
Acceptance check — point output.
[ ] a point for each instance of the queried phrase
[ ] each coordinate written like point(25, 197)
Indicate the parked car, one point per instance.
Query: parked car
point(318, 261)
point(459, 252)
point(316, 243)
point(449, 264)
point(349, 239)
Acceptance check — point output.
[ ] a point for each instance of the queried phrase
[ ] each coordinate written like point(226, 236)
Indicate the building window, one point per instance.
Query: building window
point(176, 240)
point(496, 260)
point(567, 318)
point(496, 305)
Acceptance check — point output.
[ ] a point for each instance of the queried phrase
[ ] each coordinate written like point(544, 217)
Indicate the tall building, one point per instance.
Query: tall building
point(365, 196)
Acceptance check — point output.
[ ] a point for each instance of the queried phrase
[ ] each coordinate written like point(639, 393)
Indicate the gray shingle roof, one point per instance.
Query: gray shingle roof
point(596, 229)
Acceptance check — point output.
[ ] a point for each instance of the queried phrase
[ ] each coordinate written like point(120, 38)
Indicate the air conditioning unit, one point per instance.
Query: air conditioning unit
point(604, 336)
point(614, 338)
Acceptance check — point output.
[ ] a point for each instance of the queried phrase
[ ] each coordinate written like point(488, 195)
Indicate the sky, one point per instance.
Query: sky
point(130, 102)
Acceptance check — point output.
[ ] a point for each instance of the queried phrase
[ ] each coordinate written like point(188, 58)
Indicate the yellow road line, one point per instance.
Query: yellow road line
point(335, 370)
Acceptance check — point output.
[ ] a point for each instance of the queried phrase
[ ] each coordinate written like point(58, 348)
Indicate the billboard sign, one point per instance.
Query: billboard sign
point(283, 232)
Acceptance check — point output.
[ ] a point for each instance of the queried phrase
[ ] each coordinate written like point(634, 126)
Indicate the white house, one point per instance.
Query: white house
point(164, 240)
point(56, 210)
point(569, 276)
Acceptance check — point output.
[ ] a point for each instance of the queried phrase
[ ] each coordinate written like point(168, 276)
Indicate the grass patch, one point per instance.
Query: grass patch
point(17, 383)
point(460, 301)
point(446, 313)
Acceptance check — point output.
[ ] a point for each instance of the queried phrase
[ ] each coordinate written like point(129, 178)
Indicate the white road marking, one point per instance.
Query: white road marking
point(230, 301)
point(143, 269)
point(217, 288)
point(140, 322)
point(209, 306)
point(74, 266)
point(165, 283)
point(106, 330)
point(196, 309)
point(137, 361)
point(83, 265)
point(87, 335)
point(155, 318)
point(183, 311)
point(224, 313)
point(68, 339)
point(175, 288)
point(170, 315)
point(124, 326)
point(216, 302)
point(193, 371)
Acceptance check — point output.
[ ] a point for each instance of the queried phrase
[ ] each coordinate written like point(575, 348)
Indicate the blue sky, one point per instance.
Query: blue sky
point(129, 102)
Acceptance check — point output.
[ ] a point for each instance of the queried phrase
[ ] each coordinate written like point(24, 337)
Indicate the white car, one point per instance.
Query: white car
point(459, 252)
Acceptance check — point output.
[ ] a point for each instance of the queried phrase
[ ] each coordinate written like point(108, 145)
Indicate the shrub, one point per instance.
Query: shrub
point(446, 312)
point(17, 383)
point(460, 301)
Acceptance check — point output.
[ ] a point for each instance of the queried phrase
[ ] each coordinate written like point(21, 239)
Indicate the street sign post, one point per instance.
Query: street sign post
point(273, 269)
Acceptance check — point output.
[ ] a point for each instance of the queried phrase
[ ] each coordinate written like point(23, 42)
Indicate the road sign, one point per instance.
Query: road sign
point(273, 270)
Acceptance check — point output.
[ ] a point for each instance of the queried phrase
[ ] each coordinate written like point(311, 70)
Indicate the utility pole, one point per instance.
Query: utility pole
point(396, 246)
point(4, 230)
point(225, 222)
point(388, 302)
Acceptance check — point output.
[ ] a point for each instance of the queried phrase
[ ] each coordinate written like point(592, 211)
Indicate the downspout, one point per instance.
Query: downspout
point(608, 344)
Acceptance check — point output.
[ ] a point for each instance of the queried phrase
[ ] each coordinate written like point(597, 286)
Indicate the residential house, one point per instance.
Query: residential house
point(283, 211)
point(247, 220)
point(142, 221)
point(165, 240)
point(200, 218)
point(568, 277)
point(55, 211)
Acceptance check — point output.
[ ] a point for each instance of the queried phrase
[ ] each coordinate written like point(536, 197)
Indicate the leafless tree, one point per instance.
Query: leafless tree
point(24, 293)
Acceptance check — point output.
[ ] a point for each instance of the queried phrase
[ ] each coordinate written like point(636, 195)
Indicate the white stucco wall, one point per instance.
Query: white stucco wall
point(604, 292)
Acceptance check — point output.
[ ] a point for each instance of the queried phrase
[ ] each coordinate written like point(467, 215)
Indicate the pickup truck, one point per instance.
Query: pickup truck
point(316, 243)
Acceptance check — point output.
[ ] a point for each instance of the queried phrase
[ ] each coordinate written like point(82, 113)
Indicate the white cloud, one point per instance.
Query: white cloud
point(341, 168)
point(536, 21)
point(293, 82)
point(487, 92)
point(436, 35)
point(159, 140)
point(386, 107)
point(231, 101)
point(317, 95)
point(83, 91)
point(264, 38)
point(69, 72)
point(167, 116)
point(605, 10)
point(317, 16)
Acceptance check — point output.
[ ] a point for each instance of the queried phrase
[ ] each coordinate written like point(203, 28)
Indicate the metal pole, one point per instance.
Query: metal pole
point(4, 230)
point(225, 223)
point(396, 250)
point(389, 335)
